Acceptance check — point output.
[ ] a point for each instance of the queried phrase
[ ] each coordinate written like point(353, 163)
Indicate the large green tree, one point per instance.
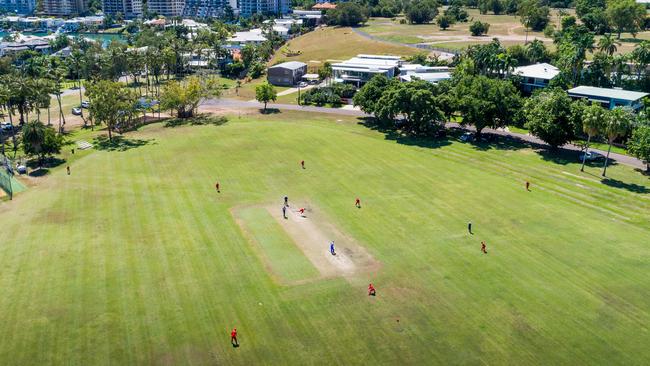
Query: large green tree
point(485, 102)
point(184, 97)
point(347, 14)
point(625, 16)
point(549, 116)
point(111, 104)
point(421, 11)
point(265, 93)
point(368, 96)
point(416, 103)
point(639, 144)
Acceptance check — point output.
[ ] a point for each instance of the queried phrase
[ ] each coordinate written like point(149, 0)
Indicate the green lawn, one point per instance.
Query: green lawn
point(135, 259)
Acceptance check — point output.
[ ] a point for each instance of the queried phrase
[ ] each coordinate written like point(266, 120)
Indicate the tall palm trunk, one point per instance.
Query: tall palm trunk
point(584, 156)
point(61, 115)
point(607, 158)
point(13, 130)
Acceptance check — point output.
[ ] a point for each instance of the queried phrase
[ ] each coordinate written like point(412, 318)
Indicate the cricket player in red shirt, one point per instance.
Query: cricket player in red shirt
point(233, 337)
point(483, 249)
point(357, 203)
point(371, 290)
point(302, 211)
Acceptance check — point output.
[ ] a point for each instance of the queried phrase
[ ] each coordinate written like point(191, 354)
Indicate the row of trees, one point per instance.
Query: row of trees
point(473, 99)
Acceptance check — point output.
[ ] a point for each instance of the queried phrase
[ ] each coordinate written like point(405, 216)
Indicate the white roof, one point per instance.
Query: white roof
point(291, 65)
point(380, 57)
point(538, 71)
point(432, 77)
point(247, 37)
point(417, 68)
point(620, 94)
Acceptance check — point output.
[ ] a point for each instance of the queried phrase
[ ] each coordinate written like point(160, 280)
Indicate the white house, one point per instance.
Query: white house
point(536, 76)
point(243, 38)
point(360, 69)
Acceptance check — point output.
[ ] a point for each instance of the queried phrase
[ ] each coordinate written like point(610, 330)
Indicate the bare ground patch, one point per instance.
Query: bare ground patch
point(312, 233)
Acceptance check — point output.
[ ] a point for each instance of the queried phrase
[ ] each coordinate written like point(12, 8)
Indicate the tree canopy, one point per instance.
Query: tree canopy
point(548, 116)
point(184, 97)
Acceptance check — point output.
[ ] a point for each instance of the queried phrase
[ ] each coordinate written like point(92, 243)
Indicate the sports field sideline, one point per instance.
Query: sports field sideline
point(135, 258)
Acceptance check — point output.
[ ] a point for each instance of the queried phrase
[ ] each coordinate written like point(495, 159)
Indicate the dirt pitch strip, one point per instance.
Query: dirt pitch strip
point(312, 233)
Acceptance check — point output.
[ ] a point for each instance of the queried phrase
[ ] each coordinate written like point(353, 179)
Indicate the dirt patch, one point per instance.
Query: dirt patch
point(312, 233)
point(223, 111)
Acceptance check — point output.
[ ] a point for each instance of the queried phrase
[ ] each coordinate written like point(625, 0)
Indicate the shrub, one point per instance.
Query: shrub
point(479, 28)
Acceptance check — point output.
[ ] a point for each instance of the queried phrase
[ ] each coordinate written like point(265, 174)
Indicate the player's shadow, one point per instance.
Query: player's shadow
point(119, 143)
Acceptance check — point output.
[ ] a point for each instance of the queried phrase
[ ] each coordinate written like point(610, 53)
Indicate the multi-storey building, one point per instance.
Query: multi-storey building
point(250, 7)
point(21, 7)
point(204, 8)
point(63, 7)
point(168, 8)
point(127, 8)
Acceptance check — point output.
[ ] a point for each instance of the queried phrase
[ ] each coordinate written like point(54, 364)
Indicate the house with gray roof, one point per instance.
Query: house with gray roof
point(287, 73)
point(609, 98)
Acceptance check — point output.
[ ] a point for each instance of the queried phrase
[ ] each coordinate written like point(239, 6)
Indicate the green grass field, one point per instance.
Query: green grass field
point(135, 259)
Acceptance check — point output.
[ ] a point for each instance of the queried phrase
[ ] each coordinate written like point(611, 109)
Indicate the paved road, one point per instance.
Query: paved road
point(443, 53)
point(235, 104)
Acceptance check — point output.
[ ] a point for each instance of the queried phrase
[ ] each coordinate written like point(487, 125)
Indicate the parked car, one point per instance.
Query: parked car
point(467, 137)
point(6, 127)
point(303, 84)
point(21, 169)
point(76, 111)
point(85, 104)
point(592, 156)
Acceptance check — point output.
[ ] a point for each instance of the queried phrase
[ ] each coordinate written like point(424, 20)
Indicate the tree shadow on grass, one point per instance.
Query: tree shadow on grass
point(565, 157)
point(48, 162)
point(199, 120)
point(627, 186)
point(119, 143)
point(270, 111)
point(39, 172)
point(391, 134)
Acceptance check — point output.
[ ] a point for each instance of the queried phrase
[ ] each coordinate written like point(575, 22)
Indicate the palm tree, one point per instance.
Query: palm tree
point(641, 56)
point(617, 124)
point(536, 51)
point(56, 73)
point(33, 138)
point(608, 44)
point(593, 120)
point(76, 60)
